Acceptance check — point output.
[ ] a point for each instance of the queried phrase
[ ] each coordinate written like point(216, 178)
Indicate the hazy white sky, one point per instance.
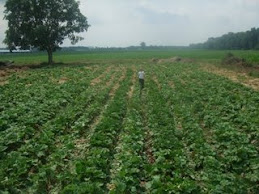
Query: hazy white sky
point(160, 22)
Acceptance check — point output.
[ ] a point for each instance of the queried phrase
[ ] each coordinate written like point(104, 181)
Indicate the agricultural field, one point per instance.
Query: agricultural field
point(139, 56)
point(82, 125)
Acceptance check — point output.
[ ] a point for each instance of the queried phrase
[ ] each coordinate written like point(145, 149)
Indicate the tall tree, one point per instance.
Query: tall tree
point(143, 45)
point(43, 24)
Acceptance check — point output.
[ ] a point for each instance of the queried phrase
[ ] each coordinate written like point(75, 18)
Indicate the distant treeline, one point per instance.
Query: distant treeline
point(241, 40)
point(130, 48)
point(103, 49)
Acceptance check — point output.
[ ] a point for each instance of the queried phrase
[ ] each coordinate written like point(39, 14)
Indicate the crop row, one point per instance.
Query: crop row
point(93, 171)
point(20, 165)
point(22, 119)
point(218, 126)
point(188, 132)
point(35, 97)
point(58, 169)
point(168, 173)
point(128, 170)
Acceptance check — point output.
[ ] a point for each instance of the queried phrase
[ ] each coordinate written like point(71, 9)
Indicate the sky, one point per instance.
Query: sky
point(122, 23)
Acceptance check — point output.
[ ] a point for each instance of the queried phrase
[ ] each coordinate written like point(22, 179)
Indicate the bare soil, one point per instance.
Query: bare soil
point(241, 77)
point(63, 80)
point(117, 85)
point(171, 84)
point(175, 59)
point(5, 72)
point(133, 81)
point(149, 147)
point(3, 82)
point(157, 82)
point(98, 79)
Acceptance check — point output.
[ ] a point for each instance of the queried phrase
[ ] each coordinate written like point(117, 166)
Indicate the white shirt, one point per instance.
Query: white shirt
point(141, 75)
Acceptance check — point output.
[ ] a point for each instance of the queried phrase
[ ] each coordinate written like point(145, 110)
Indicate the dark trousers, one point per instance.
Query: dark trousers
point(141, 83)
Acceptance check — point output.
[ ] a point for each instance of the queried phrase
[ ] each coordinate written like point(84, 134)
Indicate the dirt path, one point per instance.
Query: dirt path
point(156, 81)
point(148, 133)
point(98, 79)
point(242, 78)
point(149, 144)
point(133, 81)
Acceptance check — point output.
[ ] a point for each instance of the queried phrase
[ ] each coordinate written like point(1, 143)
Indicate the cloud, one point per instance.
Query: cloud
point(164, 22)
point(151, 17)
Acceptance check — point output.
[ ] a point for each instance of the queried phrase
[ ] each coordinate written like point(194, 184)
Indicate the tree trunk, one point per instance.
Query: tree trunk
point(50, 56)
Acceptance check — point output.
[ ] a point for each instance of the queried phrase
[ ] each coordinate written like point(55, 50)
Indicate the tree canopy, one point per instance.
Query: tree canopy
point(43, 24)
point(241, 40)
point(143, 45)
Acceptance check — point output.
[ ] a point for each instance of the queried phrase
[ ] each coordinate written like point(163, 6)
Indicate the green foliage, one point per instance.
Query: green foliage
point(43, 24)
point(199, 135)
point(143, 45)
point(217, 131)
point(241, 40)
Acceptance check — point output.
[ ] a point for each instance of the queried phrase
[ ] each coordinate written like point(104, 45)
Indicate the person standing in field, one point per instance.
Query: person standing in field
point(141, 77)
